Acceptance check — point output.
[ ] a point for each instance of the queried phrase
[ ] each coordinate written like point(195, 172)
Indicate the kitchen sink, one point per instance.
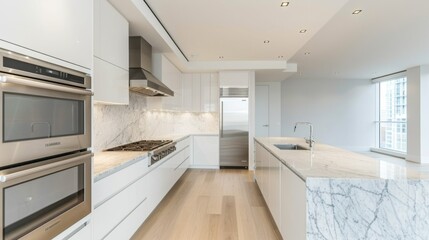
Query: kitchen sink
point(289, 147)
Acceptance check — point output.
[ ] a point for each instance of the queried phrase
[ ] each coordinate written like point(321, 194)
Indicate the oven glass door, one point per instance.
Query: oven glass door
point(27, 117)
point(29, 204)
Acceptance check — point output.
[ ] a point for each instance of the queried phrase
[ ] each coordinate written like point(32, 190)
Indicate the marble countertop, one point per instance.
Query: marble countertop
point(107, 163)
point(331, 162)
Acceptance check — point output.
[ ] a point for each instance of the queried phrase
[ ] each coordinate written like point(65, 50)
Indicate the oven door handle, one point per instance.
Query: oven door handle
point(32, 170)
point(38, 84)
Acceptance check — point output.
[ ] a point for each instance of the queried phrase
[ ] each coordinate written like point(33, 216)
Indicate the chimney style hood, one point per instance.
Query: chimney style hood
point(141, 79)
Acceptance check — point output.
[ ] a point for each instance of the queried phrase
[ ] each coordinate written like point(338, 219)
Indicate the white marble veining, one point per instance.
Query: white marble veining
point(117, 125)
point(330, 162)
point(367, 209)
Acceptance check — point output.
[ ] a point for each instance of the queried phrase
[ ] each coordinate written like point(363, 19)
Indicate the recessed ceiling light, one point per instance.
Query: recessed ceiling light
point(303, 31)
point(280, 56)
point(220, 57)
point(357, 11)
point(307, 53)
point(267, 41)
point(284, 4)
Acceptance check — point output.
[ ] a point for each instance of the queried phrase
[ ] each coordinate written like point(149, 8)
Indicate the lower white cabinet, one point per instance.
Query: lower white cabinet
point(206, 152)
point(284, 193)
point(274, 188)
point(293, 207)
point(123, 200)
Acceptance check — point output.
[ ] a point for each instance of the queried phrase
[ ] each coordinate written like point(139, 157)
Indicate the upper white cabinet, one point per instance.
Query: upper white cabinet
point(111, 80)
point(200, 92)
point(165, 71)
point(57, 29)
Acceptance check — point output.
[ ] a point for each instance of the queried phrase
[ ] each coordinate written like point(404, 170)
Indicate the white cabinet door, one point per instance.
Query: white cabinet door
point(293, 205)
point(110, 83)
point(61, 29)
point(214, 92)
point(110, 34)
point(111, 78)
point(172, 78)
point(206, 152)
point(205, 92)
point(196, 92)
point(187, 86)
point(274, 188)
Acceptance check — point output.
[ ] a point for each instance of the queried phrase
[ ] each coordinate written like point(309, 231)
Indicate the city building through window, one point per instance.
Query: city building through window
point(392, 122)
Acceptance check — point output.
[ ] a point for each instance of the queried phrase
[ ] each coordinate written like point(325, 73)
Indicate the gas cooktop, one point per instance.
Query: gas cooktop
point(158, 149)
point(144, 145)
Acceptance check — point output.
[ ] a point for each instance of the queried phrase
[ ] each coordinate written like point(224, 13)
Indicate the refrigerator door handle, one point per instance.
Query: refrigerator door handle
point(221, 119)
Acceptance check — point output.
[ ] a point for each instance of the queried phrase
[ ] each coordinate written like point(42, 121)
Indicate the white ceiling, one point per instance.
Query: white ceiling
point(236, 29)
point(388, 36)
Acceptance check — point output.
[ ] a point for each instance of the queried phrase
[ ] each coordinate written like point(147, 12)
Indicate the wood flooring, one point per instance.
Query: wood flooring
point(211, 204)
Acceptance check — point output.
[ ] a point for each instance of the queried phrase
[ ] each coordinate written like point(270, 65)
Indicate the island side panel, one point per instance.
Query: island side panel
point(367, 209)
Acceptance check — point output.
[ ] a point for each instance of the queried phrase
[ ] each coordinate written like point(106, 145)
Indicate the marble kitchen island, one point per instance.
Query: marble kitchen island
point(330, 193)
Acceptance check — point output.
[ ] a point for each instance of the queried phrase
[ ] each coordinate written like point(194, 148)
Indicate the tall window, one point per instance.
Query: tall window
point(392, 124)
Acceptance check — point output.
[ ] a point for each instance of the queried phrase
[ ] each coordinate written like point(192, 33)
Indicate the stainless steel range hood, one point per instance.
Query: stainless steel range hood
point(141, 79)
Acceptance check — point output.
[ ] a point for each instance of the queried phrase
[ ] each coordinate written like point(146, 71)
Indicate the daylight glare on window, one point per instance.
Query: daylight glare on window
point(393, 115)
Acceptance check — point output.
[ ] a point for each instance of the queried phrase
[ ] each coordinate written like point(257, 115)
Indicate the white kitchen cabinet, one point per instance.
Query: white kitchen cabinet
point(111, 78)
point(283, 191)
point(196, 92)
point(214, 92)
point(123, 200)
point(110, 83)
point(206, 152)
point(274, 188)
point(293, 205)
point(205, 98)
point(165, 71)
point(57, 29)
point(187, 88)
point(200, 92)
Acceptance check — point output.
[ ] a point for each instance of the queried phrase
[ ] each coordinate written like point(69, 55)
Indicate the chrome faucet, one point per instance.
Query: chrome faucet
point(310, 141)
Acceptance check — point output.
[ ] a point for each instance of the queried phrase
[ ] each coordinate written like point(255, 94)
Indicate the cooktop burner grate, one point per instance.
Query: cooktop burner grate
point(144, 145)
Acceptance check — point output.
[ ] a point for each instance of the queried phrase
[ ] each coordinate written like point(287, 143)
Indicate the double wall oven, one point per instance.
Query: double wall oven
point(45, 160)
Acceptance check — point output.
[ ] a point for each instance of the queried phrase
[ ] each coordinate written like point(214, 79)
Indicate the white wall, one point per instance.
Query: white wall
point(274, 92)
point(342, 111)
point(418, 114)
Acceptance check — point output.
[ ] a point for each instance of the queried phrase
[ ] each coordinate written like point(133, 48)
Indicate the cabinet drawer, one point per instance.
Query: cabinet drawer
point(129, 226)
point(109, 186)
point(183, 143)
point(108, 215)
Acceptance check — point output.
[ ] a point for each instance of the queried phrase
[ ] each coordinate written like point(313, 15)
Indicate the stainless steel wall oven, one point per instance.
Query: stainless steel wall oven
point(45, 158)
point(45, 109)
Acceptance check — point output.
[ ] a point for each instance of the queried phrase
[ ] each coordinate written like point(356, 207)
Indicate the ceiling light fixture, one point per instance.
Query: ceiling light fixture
point(280, 56)
point(307, 53)
point(220, 57)
point(303, 31)
point(284, 4)
point(267, 41)
point(357, 11)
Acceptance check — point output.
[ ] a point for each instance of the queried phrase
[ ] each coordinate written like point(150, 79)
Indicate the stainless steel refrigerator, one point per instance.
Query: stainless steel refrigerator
point(234, 129)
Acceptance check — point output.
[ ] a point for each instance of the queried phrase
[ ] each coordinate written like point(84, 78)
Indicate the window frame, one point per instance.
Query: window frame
point(379, 122)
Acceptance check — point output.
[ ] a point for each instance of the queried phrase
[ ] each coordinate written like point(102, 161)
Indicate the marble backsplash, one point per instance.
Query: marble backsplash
point(116, 125)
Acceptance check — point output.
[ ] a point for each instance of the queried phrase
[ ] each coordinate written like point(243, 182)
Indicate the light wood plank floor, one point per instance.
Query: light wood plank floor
point(211, 204)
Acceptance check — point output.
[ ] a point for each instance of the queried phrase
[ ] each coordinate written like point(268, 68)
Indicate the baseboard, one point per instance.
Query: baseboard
point(203, 167)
